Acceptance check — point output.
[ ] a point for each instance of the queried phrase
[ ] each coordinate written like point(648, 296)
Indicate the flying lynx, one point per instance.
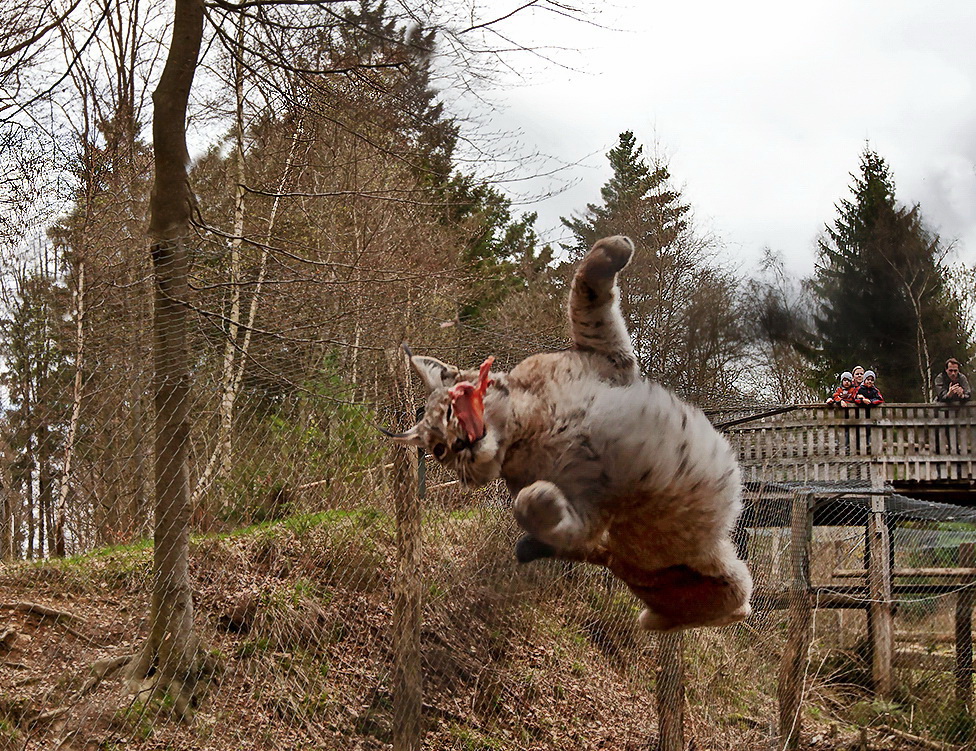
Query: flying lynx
point(604, 467)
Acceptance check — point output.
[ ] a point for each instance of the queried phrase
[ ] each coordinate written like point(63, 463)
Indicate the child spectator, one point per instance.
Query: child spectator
point(843, 396)
point(868, 394)
point(858, 372)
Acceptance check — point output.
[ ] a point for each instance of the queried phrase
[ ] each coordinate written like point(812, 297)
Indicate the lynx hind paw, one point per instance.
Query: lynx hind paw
point(609, 255)
point(649, 620)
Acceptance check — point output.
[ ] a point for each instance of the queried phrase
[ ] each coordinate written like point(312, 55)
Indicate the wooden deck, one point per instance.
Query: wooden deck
point(902, 443)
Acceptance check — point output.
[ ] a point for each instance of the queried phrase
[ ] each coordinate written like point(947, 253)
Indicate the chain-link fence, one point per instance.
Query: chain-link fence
point(342, 600)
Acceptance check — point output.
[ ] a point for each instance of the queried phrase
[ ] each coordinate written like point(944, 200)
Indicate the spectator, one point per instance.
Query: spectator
point(951, 386)
point(858, 372)
point(868, 394)
point(843, 396)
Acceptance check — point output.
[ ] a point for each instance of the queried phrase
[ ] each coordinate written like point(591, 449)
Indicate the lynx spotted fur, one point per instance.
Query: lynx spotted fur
point(604, 467)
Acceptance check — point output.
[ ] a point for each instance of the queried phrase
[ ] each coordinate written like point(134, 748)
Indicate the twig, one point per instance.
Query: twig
point(918, 740)
point(35, 608)
point(442, 485)
point(8, 637)
point(51, 714)
point(45, 611)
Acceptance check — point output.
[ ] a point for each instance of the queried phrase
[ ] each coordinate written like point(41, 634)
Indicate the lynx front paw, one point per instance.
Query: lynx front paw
point(529, 549)
point(543, 511)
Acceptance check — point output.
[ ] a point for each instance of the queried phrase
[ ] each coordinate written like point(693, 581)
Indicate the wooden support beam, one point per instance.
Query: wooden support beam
point(898, 591)
point(824, 601)
point(671, 692)
point(408, 489)
point(847, 596)
point(793, 664)
point(964, 632)
point(932, 573)
point(881, 621)
point(923, 661)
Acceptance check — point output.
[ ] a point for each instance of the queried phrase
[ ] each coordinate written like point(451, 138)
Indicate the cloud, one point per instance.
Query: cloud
point(764, 108)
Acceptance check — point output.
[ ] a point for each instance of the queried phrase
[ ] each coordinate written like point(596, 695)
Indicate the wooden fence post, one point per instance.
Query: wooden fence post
point(964, 630)
point(881, 621)
point(792, 667)
point(670, 681)
point(407, 601)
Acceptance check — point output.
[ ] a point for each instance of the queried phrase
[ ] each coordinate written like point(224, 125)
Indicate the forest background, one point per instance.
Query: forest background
point(192, 346)
point(337, 209)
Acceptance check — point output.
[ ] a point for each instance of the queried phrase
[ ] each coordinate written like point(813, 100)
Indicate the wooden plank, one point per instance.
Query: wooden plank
point(902, 592)
point(966, 437)
point(919, 442)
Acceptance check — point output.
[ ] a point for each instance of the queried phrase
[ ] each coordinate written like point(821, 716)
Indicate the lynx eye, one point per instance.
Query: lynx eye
point(439, 450)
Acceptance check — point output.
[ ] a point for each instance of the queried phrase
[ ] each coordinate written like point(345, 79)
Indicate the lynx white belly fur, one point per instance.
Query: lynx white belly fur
point(604, 467)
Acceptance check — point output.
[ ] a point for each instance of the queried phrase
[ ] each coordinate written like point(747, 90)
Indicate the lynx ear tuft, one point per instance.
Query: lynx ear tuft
point(433, 372)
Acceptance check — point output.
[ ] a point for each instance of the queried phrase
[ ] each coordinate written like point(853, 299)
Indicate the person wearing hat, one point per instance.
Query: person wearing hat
point(843, 396)
point(951, 386)
point(867, 393)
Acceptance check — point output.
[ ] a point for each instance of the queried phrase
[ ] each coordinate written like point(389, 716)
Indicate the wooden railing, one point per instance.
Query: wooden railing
point(909, 442)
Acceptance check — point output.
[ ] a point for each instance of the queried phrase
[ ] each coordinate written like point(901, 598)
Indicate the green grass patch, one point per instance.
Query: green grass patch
point(469, 739)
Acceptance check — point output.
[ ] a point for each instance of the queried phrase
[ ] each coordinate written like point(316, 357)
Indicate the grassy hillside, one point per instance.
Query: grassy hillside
point(297, 616)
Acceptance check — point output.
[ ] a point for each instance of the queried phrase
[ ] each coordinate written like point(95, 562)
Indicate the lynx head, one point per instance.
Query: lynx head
point(455, 429)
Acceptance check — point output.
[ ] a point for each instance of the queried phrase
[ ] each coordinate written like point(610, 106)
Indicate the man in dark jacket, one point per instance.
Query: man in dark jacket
point(951, 386)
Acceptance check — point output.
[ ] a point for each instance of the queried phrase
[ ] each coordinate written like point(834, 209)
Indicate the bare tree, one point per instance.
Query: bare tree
point(777, 320)
point(9, 523)
point(962, 281)
point(171, 653)
point(918, 262)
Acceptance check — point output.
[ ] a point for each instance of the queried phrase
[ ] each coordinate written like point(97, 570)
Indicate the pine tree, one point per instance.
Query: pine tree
point(637, 201)
point(881, 290)
point(680, 308)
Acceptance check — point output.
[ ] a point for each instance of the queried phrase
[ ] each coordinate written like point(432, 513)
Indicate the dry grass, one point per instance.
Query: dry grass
point(298, 615)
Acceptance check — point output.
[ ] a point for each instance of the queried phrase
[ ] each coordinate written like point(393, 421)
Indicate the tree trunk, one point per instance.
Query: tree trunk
point(8, 514)
point(670, 686)
point(171, 653)
point(45, 489)
point(924, 361)
point(26, 484)
point(69, 445)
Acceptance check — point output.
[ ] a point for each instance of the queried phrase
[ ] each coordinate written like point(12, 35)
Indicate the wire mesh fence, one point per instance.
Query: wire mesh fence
point(298, 562)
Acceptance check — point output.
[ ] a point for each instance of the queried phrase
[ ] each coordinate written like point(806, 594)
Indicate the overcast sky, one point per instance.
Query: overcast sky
point(762, 108)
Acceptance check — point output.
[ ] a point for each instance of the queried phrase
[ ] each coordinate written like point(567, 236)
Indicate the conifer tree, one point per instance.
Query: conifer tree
point(679, 305)
point(881, 291)
point(637, 201)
